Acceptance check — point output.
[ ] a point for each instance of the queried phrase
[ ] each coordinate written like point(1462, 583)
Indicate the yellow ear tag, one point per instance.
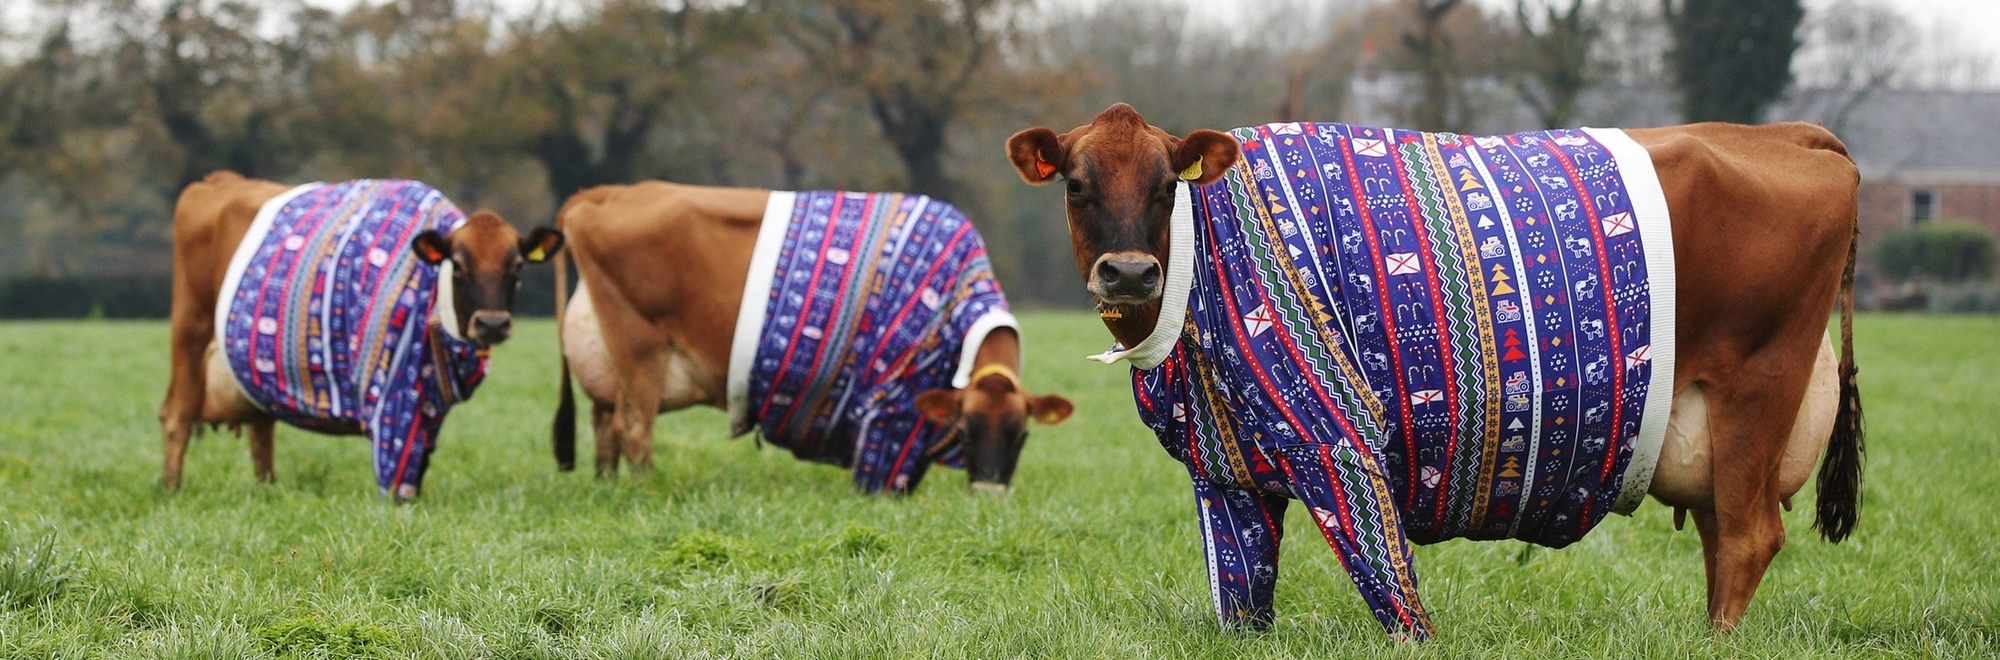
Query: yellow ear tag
point(1193, 171)
point(535, 254)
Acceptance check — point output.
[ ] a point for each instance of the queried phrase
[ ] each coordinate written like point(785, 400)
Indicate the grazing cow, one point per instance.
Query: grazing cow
point(862, 330)
point(1505, 393)
point(363, 307)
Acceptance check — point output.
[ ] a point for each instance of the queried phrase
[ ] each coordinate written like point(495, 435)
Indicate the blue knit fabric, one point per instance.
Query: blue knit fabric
point(330, 327)
point(1421, 336)
point(870, 304)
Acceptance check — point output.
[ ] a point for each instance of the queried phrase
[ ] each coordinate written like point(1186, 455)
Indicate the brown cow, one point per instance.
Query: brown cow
point(1763, 238)
point(651, 330)
point(483, 256)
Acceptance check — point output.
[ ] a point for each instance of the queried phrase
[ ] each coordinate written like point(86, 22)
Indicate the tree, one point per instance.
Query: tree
point(595, 94)
point(1432, 50)
point(202, 67)
point(1732, 58)
point(920, 65)
point(1557, 54)
point(65, 148)
point(1852, 50)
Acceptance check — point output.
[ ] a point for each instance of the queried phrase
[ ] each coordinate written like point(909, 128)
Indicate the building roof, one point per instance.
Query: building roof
point(1914, 136)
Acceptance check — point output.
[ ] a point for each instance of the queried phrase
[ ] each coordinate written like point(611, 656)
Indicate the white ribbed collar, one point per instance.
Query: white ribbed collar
point(444, 303)
point(1174, 297)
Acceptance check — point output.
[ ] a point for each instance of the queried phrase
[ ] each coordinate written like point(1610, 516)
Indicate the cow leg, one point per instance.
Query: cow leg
point(261, 432)
point(1704, 524)
point(192, 330)
point(639, 384)
point(1240, 530)
point(603, 424)
point(1751, 425)
point(1345, 490)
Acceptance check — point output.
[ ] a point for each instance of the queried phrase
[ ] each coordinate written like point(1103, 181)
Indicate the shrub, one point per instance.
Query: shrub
point(1963, 298)
point(1940, 251)
point(81, 297)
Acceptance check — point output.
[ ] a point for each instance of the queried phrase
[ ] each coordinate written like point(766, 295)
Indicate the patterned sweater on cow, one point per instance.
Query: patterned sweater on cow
point(1421, 336)
point(855, 304)
point(327, 319)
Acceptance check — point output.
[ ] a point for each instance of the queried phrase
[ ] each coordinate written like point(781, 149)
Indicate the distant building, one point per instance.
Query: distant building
point(1924, 156)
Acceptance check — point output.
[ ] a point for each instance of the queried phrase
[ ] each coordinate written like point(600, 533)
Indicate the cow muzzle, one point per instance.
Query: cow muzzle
point(1126, 278)
point(490, 327)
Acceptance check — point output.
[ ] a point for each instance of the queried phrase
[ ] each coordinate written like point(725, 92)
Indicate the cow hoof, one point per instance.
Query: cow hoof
point(991, 489)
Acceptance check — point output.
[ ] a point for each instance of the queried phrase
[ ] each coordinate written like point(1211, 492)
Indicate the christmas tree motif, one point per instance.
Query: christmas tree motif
point(1468, 181)
point(1500, 278)
point(1511, 469)
point(1513, 345)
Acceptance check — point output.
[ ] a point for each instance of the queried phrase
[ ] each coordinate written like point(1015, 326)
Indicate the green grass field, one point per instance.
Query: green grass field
point(733, 551)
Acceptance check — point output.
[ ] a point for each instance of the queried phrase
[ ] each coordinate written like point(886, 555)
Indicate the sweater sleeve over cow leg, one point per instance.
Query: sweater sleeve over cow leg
point(1348, 496)
point(889, 452)
point(1240, 533)
point(403, 444)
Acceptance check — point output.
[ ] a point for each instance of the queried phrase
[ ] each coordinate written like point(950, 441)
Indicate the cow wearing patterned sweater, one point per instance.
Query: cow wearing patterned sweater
point(363, 307)
point(863, 330)
point(1425, 336)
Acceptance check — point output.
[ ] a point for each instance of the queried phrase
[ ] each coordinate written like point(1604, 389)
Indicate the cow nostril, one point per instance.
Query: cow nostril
point(493, 323)
point(1129, 275)
point(1107, 272)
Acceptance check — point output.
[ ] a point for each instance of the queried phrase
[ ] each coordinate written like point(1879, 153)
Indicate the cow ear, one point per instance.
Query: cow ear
point(431, 247)
point(1050, 409)
point(540, 244)
point(1204, 155)
point(939, 405)
point(1037, 154)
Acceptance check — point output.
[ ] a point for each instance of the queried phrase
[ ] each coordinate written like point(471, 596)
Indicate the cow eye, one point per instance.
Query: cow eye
point(1075, 187)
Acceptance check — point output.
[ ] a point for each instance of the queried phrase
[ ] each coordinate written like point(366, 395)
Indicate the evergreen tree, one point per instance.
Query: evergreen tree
point(1732, 58)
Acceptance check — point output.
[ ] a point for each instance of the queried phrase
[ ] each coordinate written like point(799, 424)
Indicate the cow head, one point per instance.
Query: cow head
point(1120, 174)
point(989, 420)
point(486, 256)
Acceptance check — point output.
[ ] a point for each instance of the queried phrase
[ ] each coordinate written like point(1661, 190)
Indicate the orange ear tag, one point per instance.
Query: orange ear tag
point(1044, 169)
point(1193, 171)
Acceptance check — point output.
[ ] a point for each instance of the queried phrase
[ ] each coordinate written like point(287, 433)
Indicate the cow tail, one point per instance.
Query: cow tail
point(563, 435)
point(1839, 505)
